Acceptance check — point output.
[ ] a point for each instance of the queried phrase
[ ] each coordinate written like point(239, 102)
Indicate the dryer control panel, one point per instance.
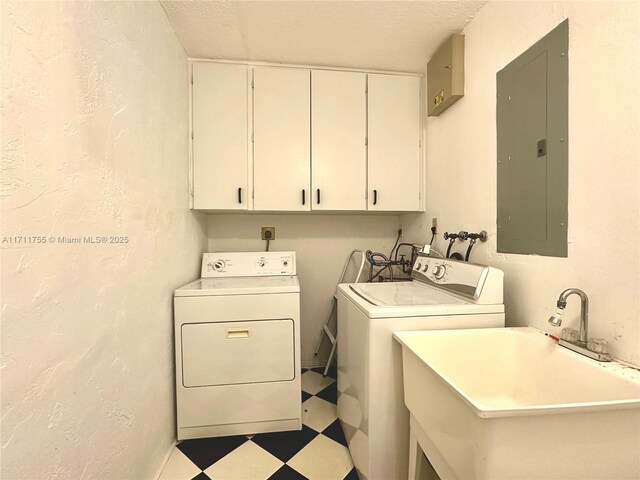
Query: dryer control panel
point(248, 264)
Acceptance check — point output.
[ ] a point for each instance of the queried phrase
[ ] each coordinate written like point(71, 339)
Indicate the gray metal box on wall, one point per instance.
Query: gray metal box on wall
point(445, 76)
point(532, 168)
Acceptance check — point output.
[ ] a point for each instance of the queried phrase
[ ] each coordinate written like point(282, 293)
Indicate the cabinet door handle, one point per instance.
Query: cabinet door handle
point(318, 193)
point(303, 197)
point(375, 197)
point(240, 195)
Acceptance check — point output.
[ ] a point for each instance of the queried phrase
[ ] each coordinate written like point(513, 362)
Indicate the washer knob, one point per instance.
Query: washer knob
point(439, 271)
point(418, 266)
point(219, 265)
point(285, 263)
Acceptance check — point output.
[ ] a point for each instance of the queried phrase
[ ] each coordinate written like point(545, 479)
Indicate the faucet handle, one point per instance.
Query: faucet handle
point(598, 345)
point(570, 334)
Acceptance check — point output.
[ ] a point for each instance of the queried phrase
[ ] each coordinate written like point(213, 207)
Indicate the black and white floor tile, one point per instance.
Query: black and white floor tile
point(317, 452)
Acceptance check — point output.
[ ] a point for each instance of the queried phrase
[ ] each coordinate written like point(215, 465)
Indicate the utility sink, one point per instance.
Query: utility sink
point(505, 403)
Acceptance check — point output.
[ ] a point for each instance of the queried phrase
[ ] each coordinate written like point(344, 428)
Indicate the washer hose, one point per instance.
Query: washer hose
point(472, 242)
point(451, 242)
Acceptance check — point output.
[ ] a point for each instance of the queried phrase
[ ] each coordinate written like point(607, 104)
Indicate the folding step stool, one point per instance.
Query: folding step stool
point(334, 301)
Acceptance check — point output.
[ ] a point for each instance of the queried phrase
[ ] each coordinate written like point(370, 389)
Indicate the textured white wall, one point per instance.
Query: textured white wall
point(94, 142)
point(604, 166)
point(322, 244)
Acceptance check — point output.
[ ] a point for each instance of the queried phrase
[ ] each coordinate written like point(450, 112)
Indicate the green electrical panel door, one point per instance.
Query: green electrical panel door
point(532, 111)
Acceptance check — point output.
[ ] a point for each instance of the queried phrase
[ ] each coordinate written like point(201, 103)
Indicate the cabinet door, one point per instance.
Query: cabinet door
point(281, 148)
point(394, 158)
point(220, 136)
point(338, 134)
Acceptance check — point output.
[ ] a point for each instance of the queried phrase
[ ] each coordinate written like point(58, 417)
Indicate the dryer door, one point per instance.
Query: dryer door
point(231, 353)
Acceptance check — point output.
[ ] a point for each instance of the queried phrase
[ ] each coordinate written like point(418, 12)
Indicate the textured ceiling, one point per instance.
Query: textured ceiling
point(386, 35)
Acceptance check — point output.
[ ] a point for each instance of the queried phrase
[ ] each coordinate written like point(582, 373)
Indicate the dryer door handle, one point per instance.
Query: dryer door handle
point(238, 333)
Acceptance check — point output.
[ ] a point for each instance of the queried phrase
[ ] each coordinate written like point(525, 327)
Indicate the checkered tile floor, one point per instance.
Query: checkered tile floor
point(318, 451)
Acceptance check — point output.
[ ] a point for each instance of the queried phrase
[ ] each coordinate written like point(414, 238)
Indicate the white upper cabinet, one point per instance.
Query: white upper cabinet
point(281, 147)
point(338, 133)
point(272, 138)
point(220, 136)
point(394, 132)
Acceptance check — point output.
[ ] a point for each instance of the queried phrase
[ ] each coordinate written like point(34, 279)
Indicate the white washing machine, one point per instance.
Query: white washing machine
point(237, 340)
point(444, 294)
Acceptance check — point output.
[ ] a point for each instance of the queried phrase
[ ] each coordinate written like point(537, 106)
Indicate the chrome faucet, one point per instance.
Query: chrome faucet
point(556, 320)
point(580, 346)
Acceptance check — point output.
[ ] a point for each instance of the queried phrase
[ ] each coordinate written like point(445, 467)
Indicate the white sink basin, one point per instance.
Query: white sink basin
point(510, 403)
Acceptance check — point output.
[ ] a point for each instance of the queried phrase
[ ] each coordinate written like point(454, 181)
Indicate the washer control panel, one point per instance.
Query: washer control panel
point(248, 264)
point(459, 277)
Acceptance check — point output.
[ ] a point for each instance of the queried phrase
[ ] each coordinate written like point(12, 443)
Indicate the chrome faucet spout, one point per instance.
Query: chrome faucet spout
point(556, 319)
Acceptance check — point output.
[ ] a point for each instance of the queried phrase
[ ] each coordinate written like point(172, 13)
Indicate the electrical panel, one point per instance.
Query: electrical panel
point(445, 76)
point(532, 140)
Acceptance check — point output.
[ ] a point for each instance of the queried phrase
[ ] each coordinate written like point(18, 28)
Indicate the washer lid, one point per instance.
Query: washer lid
point(410, 299)
point(403, 294)
point(239, 286)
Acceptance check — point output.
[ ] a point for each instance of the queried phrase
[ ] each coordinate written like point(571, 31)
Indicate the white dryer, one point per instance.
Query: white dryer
point(237, 342)
point(444, 294)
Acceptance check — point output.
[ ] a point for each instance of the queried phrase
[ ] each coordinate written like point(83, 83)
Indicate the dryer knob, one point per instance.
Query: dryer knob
point(439, 271)
point(418, 266)
point(219, 265)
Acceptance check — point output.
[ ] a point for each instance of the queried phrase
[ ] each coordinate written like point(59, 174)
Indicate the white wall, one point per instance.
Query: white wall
point(322, 244)
point(94, 142)
point(604, 152)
